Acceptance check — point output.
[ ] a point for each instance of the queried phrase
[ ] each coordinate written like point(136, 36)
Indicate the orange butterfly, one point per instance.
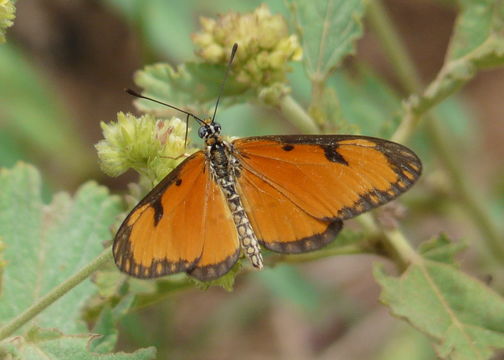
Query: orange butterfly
point(286, 193)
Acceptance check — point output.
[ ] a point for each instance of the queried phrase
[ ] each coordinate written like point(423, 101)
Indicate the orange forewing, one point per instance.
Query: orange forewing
point(183, 224)
point(321, 177)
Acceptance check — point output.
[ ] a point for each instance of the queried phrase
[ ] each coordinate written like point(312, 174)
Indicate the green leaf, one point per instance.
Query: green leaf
point(368, 105)
point(31, 114)
point(328, 30)
point(45, 244)
point(440, 248)
point(478, 21)
point(191, 84)
point(107, 325)
point(7, 15)
point(464, 316)
point(53, 345)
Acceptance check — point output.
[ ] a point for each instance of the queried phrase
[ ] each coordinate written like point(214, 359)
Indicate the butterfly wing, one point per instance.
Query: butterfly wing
point(298, 189)
point(182, 225)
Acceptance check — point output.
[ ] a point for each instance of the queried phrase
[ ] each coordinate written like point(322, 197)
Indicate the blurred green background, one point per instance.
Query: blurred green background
point(63, 71)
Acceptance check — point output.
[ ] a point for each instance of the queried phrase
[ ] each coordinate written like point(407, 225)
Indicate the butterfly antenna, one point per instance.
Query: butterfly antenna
point(233, 52)
point(135, 94)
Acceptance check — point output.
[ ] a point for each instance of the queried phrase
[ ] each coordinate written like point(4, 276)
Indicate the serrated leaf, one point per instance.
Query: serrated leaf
point(45, 244)
point(477, 22)
point(53, 345)
point(441, 248)
point(190, 85)
point(464, 316)
point(328, 30)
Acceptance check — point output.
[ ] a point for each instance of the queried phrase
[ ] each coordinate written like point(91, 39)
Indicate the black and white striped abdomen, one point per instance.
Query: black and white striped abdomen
point(246, 235)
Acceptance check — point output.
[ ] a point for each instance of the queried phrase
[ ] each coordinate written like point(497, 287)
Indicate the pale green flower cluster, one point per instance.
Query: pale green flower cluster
point(7, 14)
point(151, 147)
point(264, 45)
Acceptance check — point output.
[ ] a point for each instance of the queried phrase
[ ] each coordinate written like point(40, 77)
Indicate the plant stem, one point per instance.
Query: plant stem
point(53, 295)
point(395, 244)
point(297, 115)
point(410, 80)
point(399, 249)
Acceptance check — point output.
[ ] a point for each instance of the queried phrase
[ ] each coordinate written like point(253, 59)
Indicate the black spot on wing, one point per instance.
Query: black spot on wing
point(332, 154)
point(158, 210)
point(178, 182)
point(287, 147)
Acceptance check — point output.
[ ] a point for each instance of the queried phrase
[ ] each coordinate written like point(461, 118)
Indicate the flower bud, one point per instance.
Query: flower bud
point(151, 147)
point(265, 46)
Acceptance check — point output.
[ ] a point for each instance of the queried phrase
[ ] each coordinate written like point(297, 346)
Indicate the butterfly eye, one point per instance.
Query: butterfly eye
point(202, 132)
point(217, 128)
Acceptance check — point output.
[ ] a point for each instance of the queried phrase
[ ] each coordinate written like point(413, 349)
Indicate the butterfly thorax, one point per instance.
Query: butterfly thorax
point(224, 168)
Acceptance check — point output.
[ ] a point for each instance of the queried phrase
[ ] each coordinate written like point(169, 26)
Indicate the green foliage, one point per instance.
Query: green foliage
point(53, 345)
point(440, 248)
point(45, 244)
point(479, 24)
point(106, 325)
point(464, 316)
point(367, 104)
point(477, 43)
point(328, 30)
point(7, 15)
point(31, 114)
point(157, 18)
point(191, 84)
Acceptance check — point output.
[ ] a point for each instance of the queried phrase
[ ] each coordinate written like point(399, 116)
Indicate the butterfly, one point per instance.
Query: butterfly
point(286, 193)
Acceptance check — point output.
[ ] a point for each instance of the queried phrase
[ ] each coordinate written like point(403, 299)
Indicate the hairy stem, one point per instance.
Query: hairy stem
point(297, 115)
point(53, 295)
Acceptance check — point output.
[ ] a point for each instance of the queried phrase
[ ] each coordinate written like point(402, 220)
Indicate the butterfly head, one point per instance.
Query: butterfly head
point(209, 130)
